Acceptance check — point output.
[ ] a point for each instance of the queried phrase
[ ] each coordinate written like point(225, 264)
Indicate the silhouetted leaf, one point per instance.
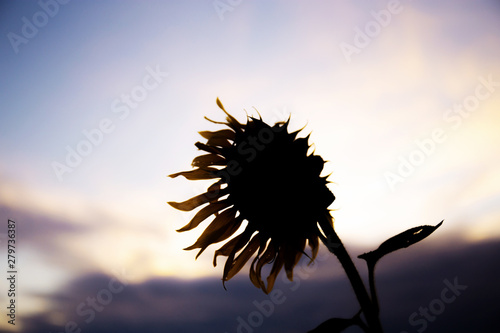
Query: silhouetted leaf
point(402, 240)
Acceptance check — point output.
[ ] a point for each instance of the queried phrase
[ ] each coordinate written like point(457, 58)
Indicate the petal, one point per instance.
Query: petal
point(314, 244)
point(198, 200)
point(209, 149)
point(278, 264)
point(256, 274)
point(243, 257)
point(225, 133)
point(204, 213)
point(205, 173)
point(254, 278)
point(222, 227)
point(292, 254)
point(215, 187)
point(266, 258)
point(232, 122)
point(214, 190)
point(230, 250)
point(215, 122)
point(227, 248)
point(218, 141)
point(208, 159)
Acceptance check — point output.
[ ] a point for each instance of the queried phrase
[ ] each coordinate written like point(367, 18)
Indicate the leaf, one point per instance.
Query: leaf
point(334, 325)
point(402, 240)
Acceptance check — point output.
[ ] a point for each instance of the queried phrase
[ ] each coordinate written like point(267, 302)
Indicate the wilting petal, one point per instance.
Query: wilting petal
point(292, 257)
point(208, 159)
point(266, 258)
point(225, 133)
point(204, 213)
point(215, 122)
point(224, 232)
point(222, 227)
point(209, 149)
point(242, 258)
point(314, 244)
point(214, 190)
point(254, 278)
point(278, 264)
point(218, 141)
point(227, 248)
point(205, 173)
point(221, 222)
point(196, 201)
point(232, 122)
point(256, 273)
point(233, 247)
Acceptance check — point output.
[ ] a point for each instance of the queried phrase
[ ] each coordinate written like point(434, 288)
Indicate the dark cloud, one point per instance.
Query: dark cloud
point(47, 235)
point(409, 281)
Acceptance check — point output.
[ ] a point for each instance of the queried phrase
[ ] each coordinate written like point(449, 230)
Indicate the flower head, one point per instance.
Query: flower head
point(267, 178)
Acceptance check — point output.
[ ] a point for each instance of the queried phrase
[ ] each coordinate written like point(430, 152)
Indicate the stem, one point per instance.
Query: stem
point(373, 290)
point(360, 323)
point(334, 245)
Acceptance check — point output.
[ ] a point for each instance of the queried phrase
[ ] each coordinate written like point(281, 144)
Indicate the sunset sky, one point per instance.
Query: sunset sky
point(100, 101)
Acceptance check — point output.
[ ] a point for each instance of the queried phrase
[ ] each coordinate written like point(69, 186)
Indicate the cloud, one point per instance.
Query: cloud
point(408, 281)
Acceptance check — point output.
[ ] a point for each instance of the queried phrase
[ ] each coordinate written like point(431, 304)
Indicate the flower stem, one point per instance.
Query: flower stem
point(334, 245)
point(373, 289)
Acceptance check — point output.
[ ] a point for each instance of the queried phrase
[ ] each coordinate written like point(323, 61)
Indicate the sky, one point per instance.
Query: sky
point(99, 102)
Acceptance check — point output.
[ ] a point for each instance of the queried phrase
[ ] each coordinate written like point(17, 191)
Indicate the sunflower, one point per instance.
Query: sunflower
point(265, 177)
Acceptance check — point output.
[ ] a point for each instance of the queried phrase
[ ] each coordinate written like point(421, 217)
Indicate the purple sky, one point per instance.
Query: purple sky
point(99, 102)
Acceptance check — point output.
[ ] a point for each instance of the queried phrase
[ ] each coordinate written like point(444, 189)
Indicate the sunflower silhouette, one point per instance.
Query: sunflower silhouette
point(265, 177)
